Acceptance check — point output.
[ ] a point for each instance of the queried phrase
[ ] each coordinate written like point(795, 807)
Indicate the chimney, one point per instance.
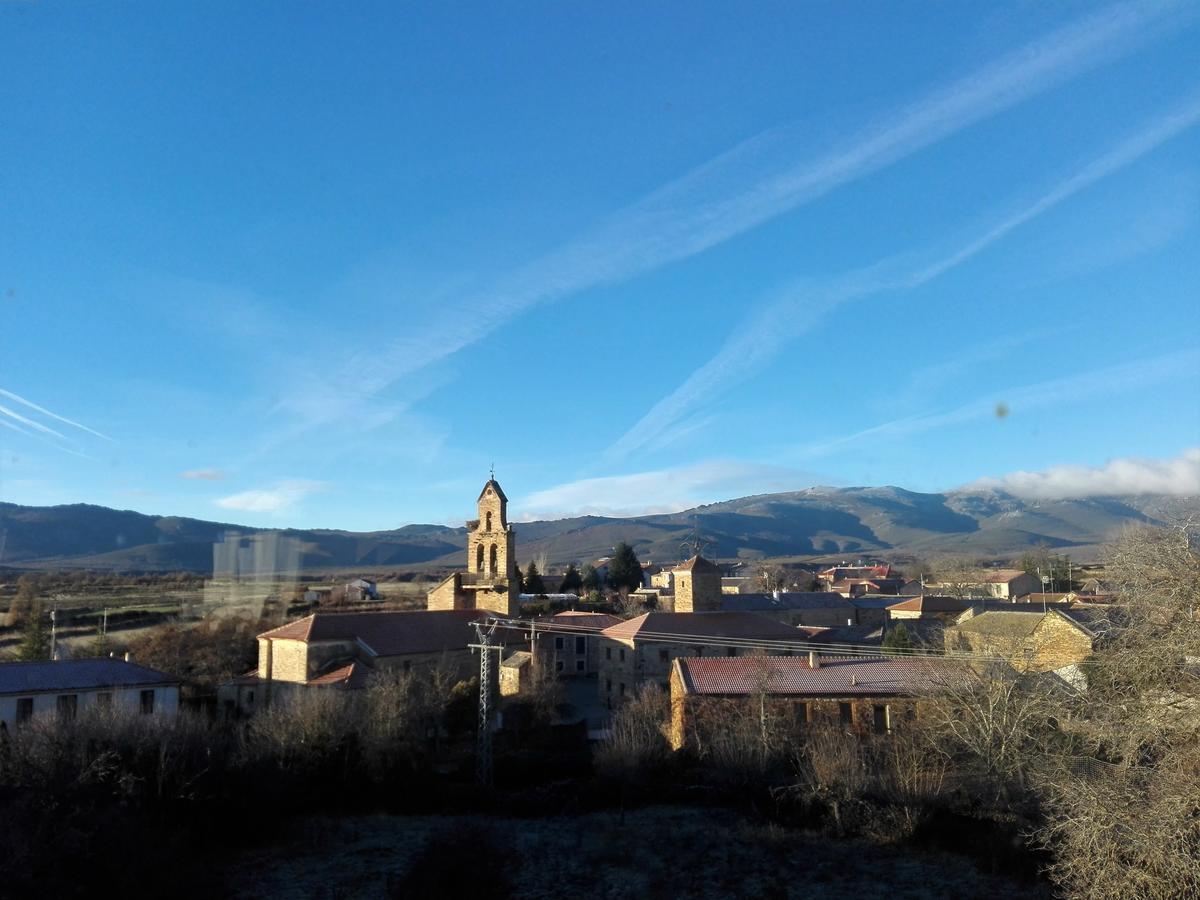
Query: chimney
point(853, 681)
point(128, 656)
point(814, 661)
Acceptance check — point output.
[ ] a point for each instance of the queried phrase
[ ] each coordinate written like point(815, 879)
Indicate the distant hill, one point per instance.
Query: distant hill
point(818, 522)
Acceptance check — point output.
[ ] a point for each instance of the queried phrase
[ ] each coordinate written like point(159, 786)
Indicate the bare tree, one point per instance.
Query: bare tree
point(1123, 803)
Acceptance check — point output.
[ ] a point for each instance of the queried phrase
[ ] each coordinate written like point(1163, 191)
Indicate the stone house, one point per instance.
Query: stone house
point(1029, 639)
point(571, 646)
point(70, 687)
point(931, 607)
point(697, 586)
point(642, 649)
point(1001, 584)
point(862, 696)
point(341, 650)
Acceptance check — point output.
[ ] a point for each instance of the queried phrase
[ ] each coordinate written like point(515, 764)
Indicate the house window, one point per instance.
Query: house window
point(579, 665)
point(801, 713)
point(621, 689)
point(558, 665)
point(663, 655)
point(608, 685)
point(104, 700)
point(67, 704)
point(845, 713)
point(608, 652)
point(24, 709)
point(147, 702)
point(558, 643)
point(581, 645)
point(880, 720)
point(249, 697)
point(622, 654)
point(731, 651)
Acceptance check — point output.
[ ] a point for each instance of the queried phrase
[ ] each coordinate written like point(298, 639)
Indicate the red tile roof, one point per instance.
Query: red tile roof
point(579, 619)
point(931, 604)
point(697, 564)
point(792, 676)
point(352, 676)
point(703, 624)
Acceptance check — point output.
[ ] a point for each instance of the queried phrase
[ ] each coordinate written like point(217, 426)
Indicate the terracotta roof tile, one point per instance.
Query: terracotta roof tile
point(931, 604)
point(792, 676)
point(697, 564)
point(702, 624)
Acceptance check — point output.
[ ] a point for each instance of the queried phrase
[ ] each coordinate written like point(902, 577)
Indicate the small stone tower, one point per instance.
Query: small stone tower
point(492, 581)
point(697, 586)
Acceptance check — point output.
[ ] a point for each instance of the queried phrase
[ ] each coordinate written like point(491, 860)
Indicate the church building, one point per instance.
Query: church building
point(491, 582)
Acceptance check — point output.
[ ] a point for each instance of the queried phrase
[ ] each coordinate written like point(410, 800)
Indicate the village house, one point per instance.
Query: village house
point(931, 607)
point(1002, 584)
point(642, 649)
point(861, 696)
point(360, 590)
point(835, 574)
point(341, 649)
point(1028, 639)
point(70, 687)
point(576, 652)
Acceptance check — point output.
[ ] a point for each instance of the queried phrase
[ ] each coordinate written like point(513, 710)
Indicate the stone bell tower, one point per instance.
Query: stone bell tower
point(491, 543)
point(491, 581)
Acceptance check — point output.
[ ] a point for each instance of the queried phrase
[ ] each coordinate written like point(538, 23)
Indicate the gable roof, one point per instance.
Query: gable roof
point(77, 675)
point(736, 625)
point(581, 619)
point(495, 485)
point(1001, 576)
point(386, 633)
point(1014, 623)
point(351, 676)
point(931, 604)
point(793, 676)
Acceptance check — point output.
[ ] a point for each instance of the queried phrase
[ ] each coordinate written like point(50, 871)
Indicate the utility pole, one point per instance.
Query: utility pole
point(483, 748)
point(53, 629)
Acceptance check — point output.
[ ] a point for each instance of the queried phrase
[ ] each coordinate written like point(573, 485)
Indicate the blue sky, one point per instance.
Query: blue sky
point(321, 265)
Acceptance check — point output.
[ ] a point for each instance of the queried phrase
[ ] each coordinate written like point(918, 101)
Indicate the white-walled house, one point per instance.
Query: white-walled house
point(69, 687)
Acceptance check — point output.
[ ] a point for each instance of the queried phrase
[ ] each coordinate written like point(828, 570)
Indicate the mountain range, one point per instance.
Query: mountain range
point(819, 522)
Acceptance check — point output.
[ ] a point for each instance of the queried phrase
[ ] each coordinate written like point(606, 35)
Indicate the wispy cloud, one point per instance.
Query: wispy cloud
point(1106, 381)
point(1178, 477)
point(662, 490)
point(203, 475)
point(279, 497)
point(752, 183)
point(52, 415)
point(797, 309)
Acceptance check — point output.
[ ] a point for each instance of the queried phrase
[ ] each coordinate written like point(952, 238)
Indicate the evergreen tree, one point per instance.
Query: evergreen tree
point(572, 583)
point(897, 641)
point(624, 570)
point(533, 583)
point(35, 639)
point(590, 578)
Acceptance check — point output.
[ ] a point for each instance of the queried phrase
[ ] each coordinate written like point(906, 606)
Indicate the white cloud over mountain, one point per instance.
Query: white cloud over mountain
point(1179, 477)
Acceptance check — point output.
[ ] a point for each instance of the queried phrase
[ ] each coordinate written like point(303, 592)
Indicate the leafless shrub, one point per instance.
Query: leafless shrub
point(637, 744)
